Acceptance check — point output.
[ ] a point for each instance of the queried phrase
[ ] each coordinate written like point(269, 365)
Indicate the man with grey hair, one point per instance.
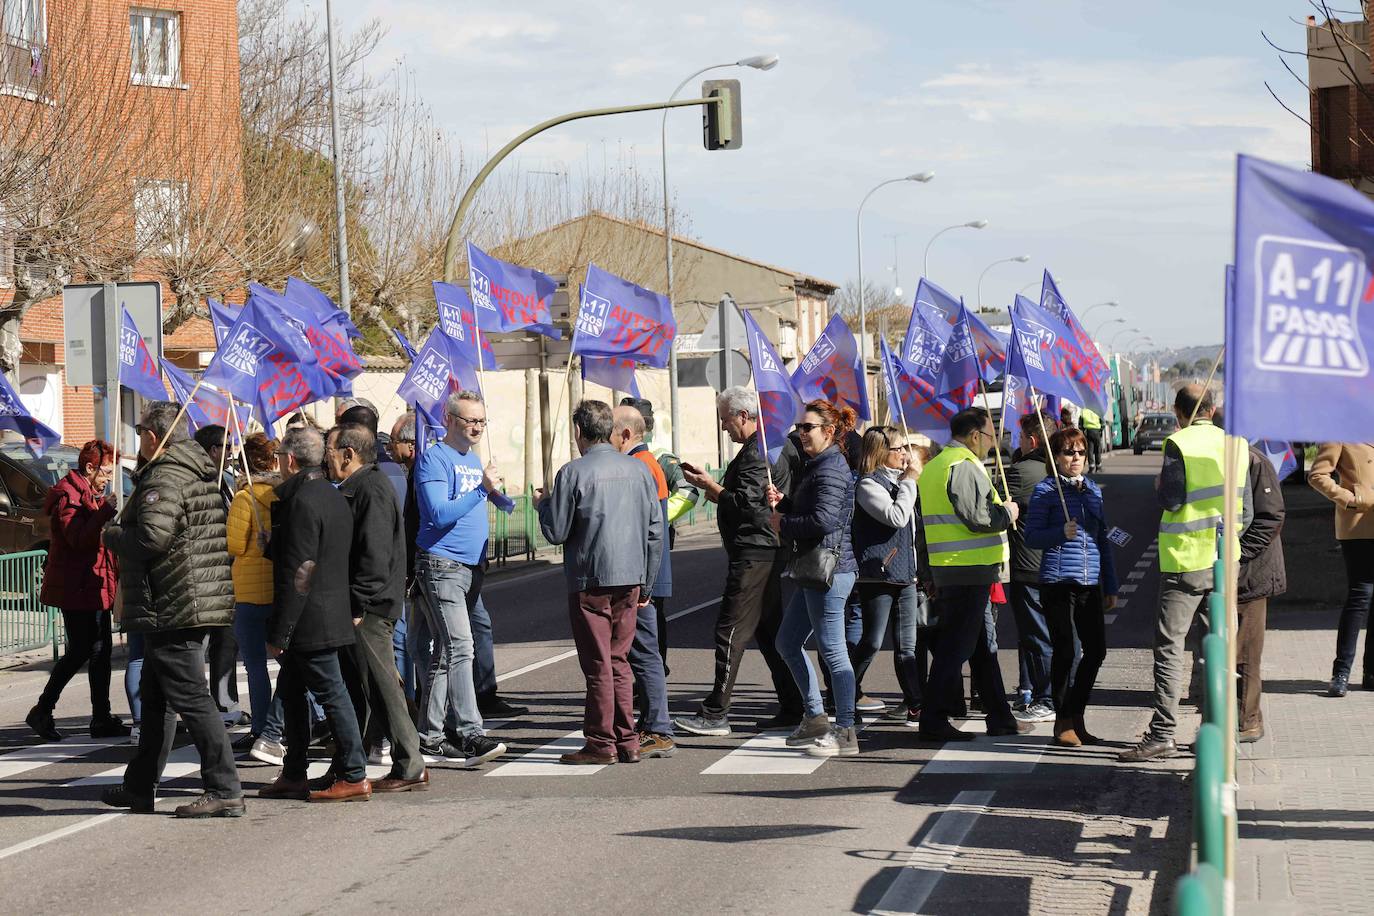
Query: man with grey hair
point(451, 490)
point(175, 577)
point(376, 590)
point(604, 509)
point(310, 625)
point(751, 604)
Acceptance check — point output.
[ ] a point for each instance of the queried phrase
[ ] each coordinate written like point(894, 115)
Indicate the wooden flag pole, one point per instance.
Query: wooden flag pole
point(1207, 385)
point(996, 446)
point(161, 446)
point(247, 472)
point(763, 437)
point(1049, 456)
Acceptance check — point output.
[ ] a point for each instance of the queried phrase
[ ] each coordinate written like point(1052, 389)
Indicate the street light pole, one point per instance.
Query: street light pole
point(925, 258)
point(922, 177)
point(759, 62)
point(1110, 321)
point(345, 294)
point(1110, 303)
point(1019, 259)
point(1117, 336)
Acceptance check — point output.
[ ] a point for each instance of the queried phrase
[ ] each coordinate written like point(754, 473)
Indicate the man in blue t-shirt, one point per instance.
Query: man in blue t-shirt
point(451, 488)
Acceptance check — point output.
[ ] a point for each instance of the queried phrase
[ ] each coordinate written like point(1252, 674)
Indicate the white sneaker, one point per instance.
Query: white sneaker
point(381, 754)
point(133, 733)
point(1039, 711)
point(838, 742)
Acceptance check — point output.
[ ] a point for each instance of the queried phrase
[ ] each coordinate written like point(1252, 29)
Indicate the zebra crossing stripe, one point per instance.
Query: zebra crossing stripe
point(32, 758)
point(544, 761)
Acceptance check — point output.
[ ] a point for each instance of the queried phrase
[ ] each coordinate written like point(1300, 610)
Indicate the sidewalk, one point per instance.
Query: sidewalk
point(1306, 801)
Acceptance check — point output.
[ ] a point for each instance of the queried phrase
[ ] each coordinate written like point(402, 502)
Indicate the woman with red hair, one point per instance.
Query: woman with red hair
point(79, 579)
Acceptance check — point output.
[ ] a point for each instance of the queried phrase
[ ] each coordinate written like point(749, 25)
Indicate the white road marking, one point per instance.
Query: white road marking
point(544, 761)
point(31, 758)
point(1128, 588)
point(59, 833)
point(767, 754)
point(988, 755)
point(1109, 619)
point(182, 762)
point(930, 859)
point(1135, 574)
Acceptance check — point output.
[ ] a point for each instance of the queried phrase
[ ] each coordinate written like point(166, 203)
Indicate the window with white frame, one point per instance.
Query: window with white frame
point(155, 47)
point(160, 216)
point(22, 56)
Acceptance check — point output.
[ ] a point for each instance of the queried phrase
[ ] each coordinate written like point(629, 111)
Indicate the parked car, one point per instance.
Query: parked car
point(24, 484)
point(1154, 428)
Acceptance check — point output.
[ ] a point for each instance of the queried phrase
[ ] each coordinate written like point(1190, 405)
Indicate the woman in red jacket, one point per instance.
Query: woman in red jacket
point(79, 579)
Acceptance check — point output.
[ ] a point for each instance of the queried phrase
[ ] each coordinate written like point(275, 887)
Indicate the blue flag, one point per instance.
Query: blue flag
point(923, 350)
point(458, 320)
point(833, 370)
point(509, 297)
point(1053, 302)
point(332, 318)
point(912, 400)
point(268, 360)
point(38, 437)
point(334, 354)
point(618, 318)
point(137, 368)
point(1279, 455)
point(1076, 378)
point(208, 407)
point(1016, 403)
point(1301, 326)
point(960, 366)
point(405, 344)
point(779, 406)
point(992, 351)
point(615, 373)
point(430, 378)
point(940, 304)
point(1038, 352)
point(222, 318)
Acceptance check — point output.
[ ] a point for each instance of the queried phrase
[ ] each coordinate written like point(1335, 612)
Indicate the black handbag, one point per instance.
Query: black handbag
point(814, 567)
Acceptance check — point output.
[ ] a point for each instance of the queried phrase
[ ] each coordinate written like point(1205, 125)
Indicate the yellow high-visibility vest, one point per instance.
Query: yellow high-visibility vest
point(948, 542)
point(1188, 535)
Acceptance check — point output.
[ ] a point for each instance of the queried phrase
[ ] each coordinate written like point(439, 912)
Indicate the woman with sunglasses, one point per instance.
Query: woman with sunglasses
point(815, 519)
point(888, 547)
point(1077, 580)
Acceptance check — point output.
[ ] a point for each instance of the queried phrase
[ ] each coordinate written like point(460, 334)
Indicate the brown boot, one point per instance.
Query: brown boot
point(1082, 731)
point(1064, 735)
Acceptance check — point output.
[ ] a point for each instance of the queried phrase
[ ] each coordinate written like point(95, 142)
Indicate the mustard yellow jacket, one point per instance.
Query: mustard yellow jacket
point(252, 571)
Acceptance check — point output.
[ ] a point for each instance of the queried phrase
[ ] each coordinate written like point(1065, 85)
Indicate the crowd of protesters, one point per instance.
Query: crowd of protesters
point(357, 561)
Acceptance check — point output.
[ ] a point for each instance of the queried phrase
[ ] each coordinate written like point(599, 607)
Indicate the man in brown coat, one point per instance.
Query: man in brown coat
point(1344, 474)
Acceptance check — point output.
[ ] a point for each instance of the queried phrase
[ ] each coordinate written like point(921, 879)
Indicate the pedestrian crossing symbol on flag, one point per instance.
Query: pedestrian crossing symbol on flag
point(481, 290)
point(1306, 313)
point(248, 347)
point(820, 350)
point(591, 318)
point(451, 319)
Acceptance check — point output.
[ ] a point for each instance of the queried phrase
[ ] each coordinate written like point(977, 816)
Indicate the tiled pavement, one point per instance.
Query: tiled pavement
point(1306, 793)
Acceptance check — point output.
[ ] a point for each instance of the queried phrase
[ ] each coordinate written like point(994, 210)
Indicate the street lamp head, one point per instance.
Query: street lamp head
point(922, 177)
point(897, 292)
point(977, 224)
point(1021, 258)
point(759, 62)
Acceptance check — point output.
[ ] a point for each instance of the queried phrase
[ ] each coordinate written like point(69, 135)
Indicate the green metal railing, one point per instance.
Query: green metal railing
point(25, 622)
point(517, 536)
point(1201, 892)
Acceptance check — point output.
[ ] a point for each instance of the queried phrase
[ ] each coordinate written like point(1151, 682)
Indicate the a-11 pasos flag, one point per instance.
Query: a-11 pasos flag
point(612, 372)
point(405, 344)
point(222, 318)
point(1038, 352)
point(833, 371)
point(918, 407)
point(437, 371)
point(332, 318)
point(992, 352)
point(621, 319)
point(779, 406)
point(207, 407)
point(458, 319)
point(1300, 328)
point(1075, 377)
point(1053, 302)
point(333, 353)
point(38, 436)
point(268, 360)
point(509, 297)
point(960, 365)
point(137, 368)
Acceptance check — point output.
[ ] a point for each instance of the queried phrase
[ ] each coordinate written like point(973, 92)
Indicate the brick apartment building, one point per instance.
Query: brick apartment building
point(172, 68)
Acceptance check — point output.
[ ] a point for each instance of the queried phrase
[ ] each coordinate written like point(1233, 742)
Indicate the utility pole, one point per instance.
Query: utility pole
point(345, 294)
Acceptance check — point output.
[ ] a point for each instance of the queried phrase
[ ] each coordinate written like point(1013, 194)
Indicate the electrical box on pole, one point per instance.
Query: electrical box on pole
point(721, 125)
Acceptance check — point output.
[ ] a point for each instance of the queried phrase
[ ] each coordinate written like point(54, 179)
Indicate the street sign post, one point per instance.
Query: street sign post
point(91, 323)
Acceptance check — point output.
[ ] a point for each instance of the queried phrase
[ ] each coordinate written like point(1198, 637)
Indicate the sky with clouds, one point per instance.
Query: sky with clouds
point(1099, 138)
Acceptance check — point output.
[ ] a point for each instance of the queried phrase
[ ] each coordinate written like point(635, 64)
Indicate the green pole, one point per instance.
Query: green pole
point(1209, 826)
point(455, 230)
point(1214, 673)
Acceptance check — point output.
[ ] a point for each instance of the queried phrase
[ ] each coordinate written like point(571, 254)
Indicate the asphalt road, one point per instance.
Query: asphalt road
point(728, 824)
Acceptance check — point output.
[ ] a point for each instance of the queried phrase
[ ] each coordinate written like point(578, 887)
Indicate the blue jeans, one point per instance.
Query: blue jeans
point(250, 629)
point(651, 684)
point(420, 645)
point(1033, 640)
point(875, 604)
point(483, 645)
point(911, 637)
point(444, 583)
point(321, 674)
point(133, 676)
point(404, 665)
point(823, 613)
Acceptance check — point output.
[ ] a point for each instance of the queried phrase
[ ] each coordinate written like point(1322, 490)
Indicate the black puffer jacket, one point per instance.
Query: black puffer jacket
point(821, 507)
point(174, 565)
point(1262, 573)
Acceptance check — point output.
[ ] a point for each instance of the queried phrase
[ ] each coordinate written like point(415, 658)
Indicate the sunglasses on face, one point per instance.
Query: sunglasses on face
point(1073, 451)
point(807, 427)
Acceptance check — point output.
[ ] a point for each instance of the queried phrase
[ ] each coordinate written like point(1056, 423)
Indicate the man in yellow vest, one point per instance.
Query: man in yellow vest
point(1091, 424)
point(966, 526)
point(1192, 494)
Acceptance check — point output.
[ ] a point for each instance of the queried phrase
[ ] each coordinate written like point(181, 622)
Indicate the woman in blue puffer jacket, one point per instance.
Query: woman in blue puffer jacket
point(1077, 580)
point(818, 513)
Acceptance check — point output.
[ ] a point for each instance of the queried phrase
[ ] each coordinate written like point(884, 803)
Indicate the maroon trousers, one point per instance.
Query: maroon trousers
point(603, 626)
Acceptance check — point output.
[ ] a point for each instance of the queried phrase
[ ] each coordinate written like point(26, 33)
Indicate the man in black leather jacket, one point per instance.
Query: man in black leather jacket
point(751, 605)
